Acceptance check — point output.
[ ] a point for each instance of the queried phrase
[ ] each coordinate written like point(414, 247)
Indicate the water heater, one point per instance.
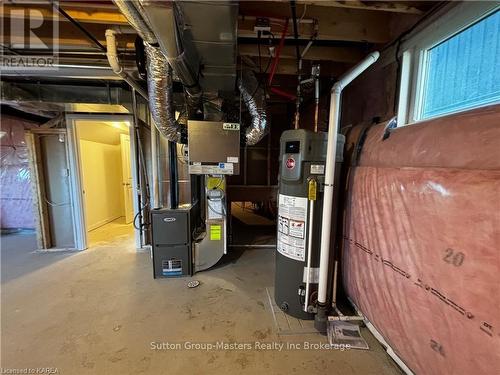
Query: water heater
point(300, 201)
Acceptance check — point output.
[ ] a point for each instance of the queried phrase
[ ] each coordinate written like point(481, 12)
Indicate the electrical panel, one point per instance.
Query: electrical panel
point(214, 147)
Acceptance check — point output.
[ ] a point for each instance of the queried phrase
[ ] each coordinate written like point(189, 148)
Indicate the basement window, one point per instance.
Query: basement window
point(452, 64)
point(463, 71)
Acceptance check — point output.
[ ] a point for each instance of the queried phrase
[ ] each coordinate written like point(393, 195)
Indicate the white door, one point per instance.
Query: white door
point(127, 177)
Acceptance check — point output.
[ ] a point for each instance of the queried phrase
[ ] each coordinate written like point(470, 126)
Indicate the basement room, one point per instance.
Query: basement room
point(268, 186)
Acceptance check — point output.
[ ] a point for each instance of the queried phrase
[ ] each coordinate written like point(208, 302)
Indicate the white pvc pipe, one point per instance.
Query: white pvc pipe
point(114, 62)
point(309, 253)
point(333, 126)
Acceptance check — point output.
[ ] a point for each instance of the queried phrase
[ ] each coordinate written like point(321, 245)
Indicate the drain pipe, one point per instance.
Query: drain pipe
point(333, 127)
point(114, 62)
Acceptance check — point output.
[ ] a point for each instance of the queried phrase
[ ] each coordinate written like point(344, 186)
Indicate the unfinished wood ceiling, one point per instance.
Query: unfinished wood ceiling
point(346, 30)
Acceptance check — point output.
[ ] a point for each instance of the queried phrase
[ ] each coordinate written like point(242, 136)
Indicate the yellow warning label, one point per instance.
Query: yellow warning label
point(216, 183)
point(215, 232)
point(312, 187)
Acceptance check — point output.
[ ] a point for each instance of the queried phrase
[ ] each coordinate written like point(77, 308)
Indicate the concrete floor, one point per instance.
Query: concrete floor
point(113, 229)
point(98, 311)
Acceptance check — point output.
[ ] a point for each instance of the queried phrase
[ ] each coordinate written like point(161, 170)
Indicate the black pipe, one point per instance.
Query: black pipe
point(174, 176)
point(140, 57)
point(293, 6)
point(89, 36)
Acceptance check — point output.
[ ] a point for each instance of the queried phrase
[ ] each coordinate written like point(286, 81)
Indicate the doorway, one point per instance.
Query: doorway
point(102, 155)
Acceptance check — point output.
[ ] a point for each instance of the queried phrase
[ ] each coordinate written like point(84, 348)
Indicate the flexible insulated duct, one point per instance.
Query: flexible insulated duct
point(136, 20)
point(254, 97)
point(160, 94)
point(155, 23)
point(161, 16)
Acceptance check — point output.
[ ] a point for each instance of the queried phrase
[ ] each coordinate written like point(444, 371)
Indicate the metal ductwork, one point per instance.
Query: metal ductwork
point(161, 16)
point(254, 97)
point(194, 34)
point(210, 29)
point(161, 95)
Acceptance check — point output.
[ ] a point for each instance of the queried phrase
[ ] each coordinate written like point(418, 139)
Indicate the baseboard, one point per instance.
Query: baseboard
point(102, 222)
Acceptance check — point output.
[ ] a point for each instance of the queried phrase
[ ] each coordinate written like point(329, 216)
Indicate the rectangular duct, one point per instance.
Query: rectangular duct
point(213, 33)
point(206, 35)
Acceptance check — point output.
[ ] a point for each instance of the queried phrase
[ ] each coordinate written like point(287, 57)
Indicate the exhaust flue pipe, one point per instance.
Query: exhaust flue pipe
point(331, 152)
point(114, 62)
point(254, 98)
point(161, 95)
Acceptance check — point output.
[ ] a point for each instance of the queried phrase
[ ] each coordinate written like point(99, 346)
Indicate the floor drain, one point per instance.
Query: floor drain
point(193, 284)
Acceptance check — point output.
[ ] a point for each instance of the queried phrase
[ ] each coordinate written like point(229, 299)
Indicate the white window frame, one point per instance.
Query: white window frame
point(414, 49)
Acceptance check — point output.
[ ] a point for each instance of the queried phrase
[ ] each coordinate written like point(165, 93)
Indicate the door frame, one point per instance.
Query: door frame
point(122, 137)
point(42, 225)
point(81, 240)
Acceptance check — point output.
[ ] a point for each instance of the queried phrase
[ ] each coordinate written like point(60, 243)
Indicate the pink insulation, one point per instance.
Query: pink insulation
point(421, 256)
point(15, 179)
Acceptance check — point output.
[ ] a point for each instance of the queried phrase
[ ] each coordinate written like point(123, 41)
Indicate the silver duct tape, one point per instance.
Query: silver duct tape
point(136, 20)
point(254, 98)
point(160, 94)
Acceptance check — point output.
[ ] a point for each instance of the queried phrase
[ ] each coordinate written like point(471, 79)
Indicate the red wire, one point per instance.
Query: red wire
point(283, 93)
point(278, 51)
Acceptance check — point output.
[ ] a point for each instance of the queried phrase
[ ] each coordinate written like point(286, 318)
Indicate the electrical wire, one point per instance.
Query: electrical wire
point(143, 171)
point(261, 83)
point(222, 196)
point(181, 158)
point(52, 204)
point(210, 207)
point(303, 13)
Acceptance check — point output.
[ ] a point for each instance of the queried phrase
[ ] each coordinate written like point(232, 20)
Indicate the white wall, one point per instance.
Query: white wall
point(102, 182)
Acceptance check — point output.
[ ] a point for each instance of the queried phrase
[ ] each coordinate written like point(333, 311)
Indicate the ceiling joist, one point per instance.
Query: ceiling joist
point(333, 23)
point(89, 15)
point(384, 6)
point(335, 54)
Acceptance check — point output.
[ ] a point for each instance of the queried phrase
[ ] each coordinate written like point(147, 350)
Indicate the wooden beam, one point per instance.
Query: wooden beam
point(333, 23)
point(365, 5)
point(335, 54)
point(69, 35)
point(289, 67)
point(89, 15)
point(63, 42)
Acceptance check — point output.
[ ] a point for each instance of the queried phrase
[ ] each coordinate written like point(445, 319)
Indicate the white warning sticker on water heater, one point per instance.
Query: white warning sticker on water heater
point(292, 224)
